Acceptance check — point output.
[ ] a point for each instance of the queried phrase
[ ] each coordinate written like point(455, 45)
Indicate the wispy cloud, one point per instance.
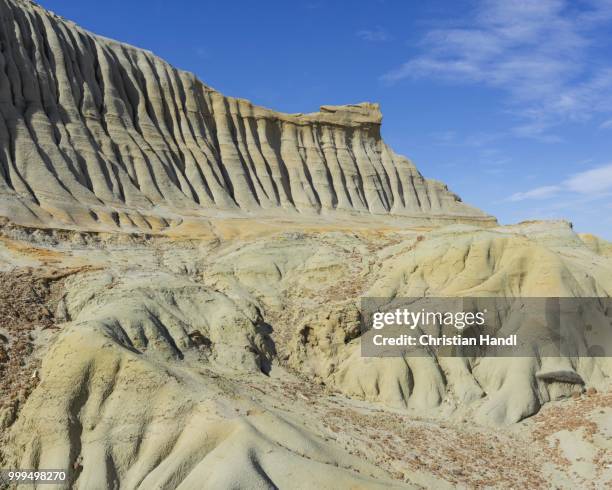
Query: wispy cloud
point(595, 183)
point(543, 192)
point(606, 124)
point(540, 52)
point(375, 35)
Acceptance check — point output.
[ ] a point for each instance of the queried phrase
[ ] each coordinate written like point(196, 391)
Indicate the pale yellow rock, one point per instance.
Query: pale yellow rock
point(278, 306)
point(219, 345)
point(117, 138)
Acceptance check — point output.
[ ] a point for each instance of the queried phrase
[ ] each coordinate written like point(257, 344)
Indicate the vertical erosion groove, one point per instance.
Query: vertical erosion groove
point(90, 125)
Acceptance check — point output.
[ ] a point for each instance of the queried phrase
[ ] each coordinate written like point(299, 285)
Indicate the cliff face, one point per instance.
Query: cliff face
point(97, 132)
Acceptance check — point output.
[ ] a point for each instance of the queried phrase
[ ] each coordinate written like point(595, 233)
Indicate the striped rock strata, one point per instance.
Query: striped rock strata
point(98, 133)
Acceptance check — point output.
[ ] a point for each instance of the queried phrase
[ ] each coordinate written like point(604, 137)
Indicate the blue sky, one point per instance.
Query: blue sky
point(508, 102)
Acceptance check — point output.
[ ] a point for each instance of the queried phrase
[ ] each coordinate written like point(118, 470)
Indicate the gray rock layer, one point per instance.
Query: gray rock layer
point(94, 131)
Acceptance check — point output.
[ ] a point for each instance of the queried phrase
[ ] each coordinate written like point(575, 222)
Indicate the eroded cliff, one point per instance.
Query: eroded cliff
point(94, 132)
point(226, 353)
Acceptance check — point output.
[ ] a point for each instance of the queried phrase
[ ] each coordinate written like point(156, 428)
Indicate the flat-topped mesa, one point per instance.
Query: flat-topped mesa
point(95, 133)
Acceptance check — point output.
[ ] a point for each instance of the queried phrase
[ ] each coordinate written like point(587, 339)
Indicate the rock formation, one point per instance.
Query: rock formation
point(180, 284)
point(235, 360)
point(98, 132)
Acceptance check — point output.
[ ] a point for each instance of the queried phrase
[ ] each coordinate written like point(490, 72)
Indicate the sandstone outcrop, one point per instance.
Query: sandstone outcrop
point(230, 360)
point(97, 134)
point(182, 276)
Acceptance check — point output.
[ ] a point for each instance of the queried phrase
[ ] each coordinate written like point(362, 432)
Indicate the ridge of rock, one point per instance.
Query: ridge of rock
point(100, 134)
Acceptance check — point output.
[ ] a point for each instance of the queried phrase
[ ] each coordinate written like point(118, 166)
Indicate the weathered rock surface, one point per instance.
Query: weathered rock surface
point(235, 360)
point(224, 352)
point(96, 133)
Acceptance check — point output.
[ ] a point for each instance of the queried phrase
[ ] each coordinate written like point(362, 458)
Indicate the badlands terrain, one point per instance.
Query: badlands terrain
point(181, 276)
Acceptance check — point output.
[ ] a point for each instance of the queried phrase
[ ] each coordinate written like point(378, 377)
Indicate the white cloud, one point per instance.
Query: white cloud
point(374, 35)
point(543, 192)
point(540, 52)
point(593, 183)
point(606, 124)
